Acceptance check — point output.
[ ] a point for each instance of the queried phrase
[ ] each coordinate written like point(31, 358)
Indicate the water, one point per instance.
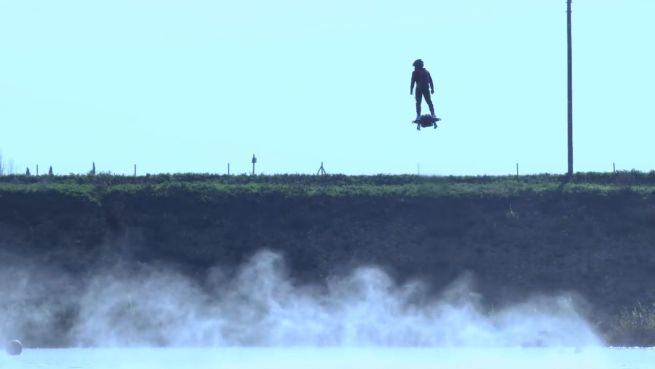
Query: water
point(333, 358)
point(261, 306)
point(363, 319)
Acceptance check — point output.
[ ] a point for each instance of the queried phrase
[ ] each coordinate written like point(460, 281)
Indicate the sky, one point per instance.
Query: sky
point(192, 85)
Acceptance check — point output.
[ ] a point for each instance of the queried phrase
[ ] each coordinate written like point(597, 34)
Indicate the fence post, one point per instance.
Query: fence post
point(517, 170)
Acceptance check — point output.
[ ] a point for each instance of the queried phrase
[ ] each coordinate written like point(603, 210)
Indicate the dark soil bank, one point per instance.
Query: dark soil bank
point(600, 247)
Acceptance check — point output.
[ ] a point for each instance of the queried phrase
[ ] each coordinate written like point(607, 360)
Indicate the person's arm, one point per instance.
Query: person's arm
point(411, 86)
point(431, 85)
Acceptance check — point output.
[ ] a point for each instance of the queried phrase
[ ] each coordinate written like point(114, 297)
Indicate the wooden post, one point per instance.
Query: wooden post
point(228, 169)
point(517, 170)
point(37, 170)
point(614, 167)
point(135, 170)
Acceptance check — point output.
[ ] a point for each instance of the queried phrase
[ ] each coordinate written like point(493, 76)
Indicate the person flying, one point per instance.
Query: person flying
point(424, 87)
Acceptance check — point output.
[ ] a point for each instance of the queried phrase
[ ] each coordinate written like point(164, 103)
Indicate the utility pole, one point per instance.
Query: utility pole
point(570, 86)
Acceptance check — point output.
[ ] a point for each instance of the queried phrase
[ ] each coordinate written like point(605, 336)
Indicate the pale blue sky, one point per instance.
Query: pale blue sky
point(190, 85)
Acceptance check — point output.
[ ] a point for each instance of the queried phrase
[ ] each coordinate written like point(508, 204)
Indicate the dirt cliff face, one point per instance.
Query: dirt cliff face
point(598, 246)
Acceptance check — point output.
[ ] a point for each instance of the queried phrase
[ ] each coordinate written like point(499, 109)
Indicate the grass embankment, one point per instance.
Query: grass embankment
point(591, 234)
point(95, 187)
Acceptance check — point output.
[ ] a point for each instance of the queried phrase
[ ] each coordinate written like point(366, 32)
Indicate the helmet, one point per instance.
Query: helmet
point(418, 63)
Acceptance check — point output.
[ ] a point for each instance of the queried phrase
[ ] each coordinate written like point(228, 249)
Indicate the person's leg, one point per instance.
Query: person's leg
point(419, 95)
point(428, 99)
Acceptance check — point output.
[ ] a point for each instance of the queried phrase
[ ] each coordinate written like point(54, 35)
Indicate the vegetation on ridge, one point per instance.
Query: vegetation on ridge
point(95, 187)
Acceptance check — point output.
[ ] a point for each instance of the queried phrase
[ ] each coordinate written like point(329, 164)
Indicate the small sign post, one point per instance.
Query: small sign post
point(254, 161)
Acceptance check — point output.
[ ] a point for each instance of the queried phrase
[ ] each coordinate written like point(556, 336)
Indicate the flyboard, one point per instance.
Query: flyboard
point(425, 121)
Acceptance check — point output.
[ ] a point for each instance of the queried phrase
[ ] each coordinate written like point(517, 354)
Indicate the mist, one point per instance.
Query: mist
point(129, 304)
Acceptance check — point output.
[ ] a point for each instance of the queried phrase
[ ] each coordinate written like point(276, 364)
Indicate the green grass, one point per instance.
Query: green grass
point(98, 186)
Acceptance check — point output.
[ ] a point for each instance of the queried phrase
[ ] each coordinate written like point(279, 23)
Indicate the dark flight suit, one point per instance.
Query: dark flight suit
point(421, 77)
